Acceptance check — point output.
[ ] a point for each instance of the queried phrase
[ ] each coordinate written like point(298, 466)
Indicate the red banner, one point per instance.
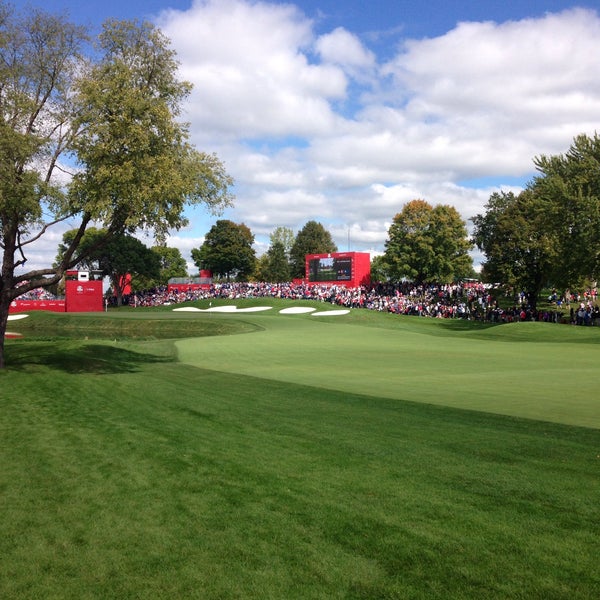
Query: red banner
point(27, 305)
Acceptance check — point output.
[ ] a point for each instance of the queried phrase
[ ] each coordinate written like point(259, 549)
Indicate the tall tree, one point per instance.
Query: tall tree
point(518, 236)
point(172, 263)
point(277, 267)
point(274, 265)
point(451, 243)
point(379, 270)
point(570, 184)
point(227, 251)
point(261, 268)
point(285, 236)
point(313, 238)
point(427, 244)
point(115, 116)
point(550, 233)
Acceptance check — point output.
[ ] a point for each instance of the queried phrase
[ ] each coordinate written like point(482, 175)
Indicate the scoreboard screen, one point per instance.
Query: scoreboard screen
point(330, 268)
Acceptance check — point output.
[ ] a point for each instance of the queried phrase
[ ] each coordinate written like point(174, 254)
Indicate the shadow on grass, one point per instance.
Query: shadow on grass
point(97, 359)
point(466, 325)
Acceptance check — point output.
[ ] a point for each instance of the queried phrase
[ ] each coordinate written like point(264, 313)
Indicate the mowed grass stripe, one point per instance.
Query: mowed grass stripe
point(146, 478)
point(476, 370)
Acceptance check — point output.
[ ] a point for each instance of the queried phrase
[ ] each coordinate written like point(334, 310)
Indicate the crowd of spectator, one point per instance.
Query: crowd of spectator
point(473, 301)
point(37, 294)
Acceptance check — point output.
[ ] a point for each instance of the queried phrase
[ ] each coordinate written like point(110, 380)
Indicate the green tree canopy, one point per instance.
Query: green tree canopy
point(172, 264)
point(115, 114)
point(285, 236)
point(379, 269)
point(427, 244)
point(227, 251)
point(140, 171)
point(274, 265)
point(549, 234)
point(313, 238)
point(569, 185)
point(518, 238)
point(277, 267)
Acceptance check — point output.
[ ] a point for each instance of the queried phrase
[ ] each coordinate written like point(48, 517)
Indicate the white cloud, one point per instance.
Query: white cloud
point(251, 69)
point(524, 78)
point(340, 47)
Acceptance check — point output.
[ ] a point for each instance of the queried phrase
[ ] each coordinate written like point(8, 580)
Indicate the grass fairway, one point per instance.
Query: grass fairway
point(307, 457)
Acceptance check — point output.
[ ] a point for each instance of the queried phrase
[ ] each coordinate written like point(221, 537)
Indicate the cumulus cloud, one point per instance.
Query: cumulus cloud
point(533, 80)
point(251, 68)
point(340, 47)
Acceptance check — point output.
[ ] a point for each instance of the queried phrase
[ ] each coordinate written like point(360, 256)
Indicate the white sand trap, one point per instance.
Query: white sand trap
point(214, 309)
point(16, 317)
point(296, 310)
point(224, 309)
point(292, 310)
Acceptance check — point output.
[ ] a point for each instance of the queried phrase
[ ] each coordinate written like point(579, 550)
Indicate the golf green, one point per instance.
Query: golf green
point(501, 372)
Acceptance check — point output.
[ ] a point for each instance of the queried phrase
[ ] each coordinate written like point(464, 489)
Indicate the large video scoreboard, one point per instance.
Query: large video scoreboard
point(351, 269)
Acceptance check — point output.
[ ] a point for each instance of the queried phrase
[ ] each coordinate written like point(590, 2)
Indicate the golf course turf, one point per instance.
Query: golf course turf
point(158, 454)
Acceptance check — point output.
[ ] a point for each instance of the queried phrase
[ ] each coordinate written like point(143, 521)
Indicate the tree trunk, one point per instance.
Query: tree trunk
point(532, 296)
point(4, 306)
point(117, 289)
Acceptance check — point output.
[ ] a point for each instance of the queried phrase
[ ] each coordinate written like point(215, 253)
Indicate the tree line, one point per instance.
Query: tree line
point(546, 236)
point(426, 243)
point(228, 252)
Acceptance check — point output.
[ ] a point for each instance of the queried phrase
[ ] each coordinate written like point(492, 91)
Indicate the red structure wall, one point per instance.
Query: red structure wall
point(17, 306)
point(83, 296)
point(351, 269)
point(125, 283)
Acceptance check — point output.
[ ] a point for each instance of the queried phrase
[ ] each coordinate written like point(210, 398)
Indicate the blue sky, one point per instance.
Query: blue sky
point(342, 112)
point(378, 18)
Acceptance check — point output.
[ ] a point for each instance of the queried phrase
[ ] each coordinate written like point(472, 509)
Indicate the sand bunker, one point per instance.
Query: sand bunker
point(16, 317)
point(224, 309)
point(292, 310)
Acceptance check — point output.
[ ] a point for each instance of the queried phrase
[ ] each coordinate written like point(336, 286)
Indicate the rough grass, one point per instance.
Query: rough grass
point(127, 474)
